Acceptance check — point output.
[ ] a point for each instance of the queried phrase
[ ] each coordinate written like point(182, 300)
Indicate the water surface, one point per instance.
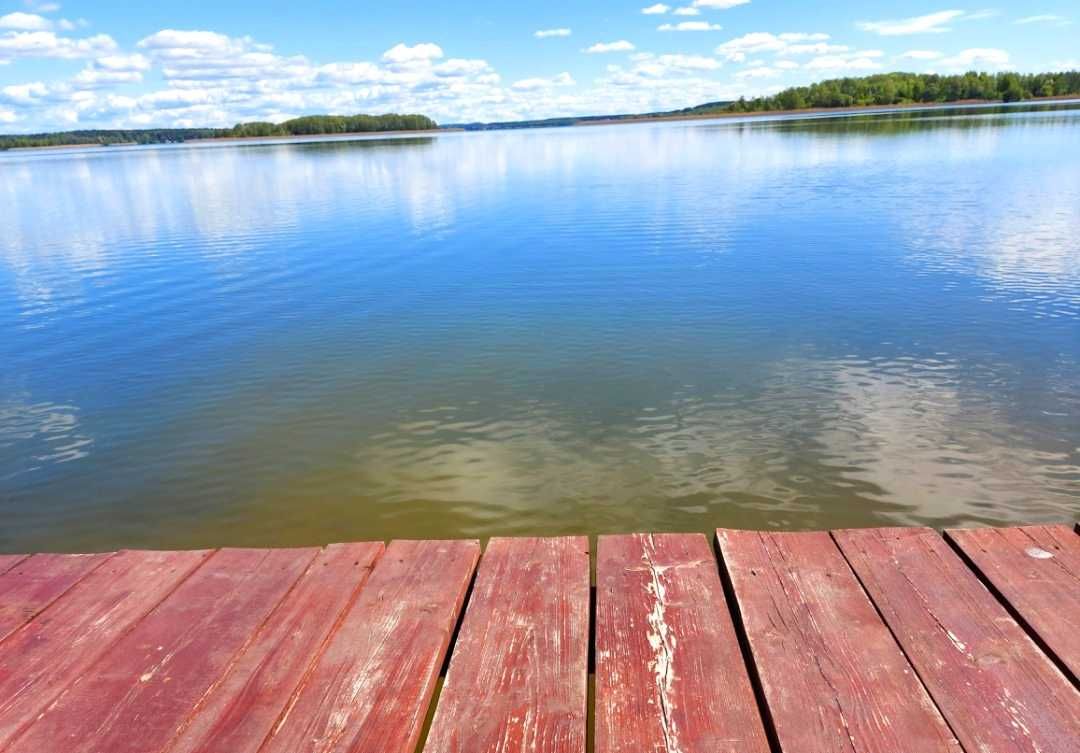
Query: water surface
point(811, 323)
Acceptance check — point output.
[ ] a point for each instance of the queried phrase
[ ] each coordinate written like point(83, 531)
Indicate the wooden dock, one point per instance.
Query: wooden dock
point(877, 640)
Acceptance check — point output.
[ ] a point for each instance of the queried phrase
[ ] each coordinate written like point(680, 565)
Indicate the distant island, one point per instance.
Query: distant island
point(308, 125)
point(878, 90)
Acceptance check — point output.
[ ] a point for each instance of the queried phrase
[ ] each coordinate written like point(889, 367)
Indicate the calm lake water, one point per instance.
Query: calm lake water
point(801, 324)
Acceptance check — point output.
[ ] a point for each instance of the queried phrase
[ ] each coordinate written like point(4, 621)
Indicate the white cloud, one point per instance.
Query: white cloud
point(134, 62)
point(758, 42)
point(1045, 18)
point(46, 44)
point(922, 55)
point(719, 4)
point(977, 58)
point(620, 46)
point(687, 10)
point(545, 33)
point(657, 9)
point(856, 61)
point(23, 94)
point(25, 22)
point(402, 54)
point(533, 84)
point(932, 23)
point(690, 26)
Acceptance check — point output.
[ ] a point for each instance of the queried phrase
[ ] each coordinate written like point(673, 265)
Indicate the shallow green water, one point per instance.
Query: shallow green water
point(818, 323)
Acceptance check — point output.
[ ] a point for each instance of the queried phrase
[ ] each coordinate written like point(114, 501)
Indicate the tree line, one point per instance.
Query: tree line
point(308, 125)
point(910, 88)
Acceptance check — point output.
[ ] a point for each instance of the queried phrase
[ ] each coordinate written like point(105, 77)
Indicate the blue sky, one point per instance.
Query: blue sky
point(80, 64)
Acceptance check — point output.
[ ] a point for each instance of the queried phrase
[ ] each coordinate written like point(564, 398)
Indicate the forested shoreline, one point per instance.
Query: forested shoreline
point(308, 125)
point(907, 89)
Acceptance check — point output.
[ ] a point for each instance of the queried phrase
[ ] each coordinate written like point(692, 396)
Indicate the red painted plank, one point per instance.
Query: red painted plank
point(996, 689)
point(517, 678)
point(370, 690)
point(1037, 570)
point(240, 713)
point(669, 673)
point(8, 561)
point(39, 661)
point(833, 676)
point(134, 698)
point(36, 582)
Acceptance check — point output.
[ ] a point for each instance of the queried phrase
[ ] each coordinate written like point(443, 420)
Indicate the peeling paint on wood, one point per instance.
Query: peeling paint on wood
point(517, 682)
point(995, 687)
point(145, 686)
point(39, 661)
point(240, 712)
point(1036, 569)
point(369, 691)
point(34, 583)
point(670, 677)
point(832, 674)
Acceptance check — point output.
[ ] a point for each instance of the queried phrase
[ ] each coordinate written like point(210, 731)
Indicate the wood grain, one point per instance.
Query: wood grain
point(670, 676)
point(36, 582)
point(142, 689)
point(243, 708)
point(1036, 569)
point(997, 690)
point(8, 561)
point(370, 690)
point(518, 675)
point(832, 674)
point(57, 648)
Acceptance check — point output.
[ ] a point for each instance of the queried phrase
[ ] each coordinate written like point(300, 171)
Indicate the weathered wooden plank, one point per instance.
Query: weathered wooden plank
point(370, 690)
point(43, 658)
point(135, 697)
point(670, 676)
point(518, 675)
point(994, 686)
point(8, 561)
point(33, 584)
point(1036, 569)
point(243, 708)
point(833, 676)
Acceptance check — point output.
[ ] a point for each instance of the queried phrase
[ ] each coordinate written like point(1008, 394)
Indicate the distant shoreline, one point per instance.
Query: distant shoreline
point(623, 120)
point(320, 136)
point(822, 110)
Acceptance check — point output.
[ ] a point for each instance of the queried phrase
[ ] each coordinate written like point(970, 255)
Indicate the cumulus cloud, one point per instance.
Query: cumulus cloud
point(687, 10)
point(601, 47)
point(25, 22)
point(758, 42)
point(690, 26)
point(46, 44)
point(402, 54)
point(658, 9)
point(932, 23)
point(866, 60)
point(976, 58)
point(545, 33)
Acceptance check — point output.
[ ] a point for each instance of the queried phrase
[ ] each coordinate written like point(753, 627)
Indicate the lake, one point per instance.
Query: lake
point(779, 323)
